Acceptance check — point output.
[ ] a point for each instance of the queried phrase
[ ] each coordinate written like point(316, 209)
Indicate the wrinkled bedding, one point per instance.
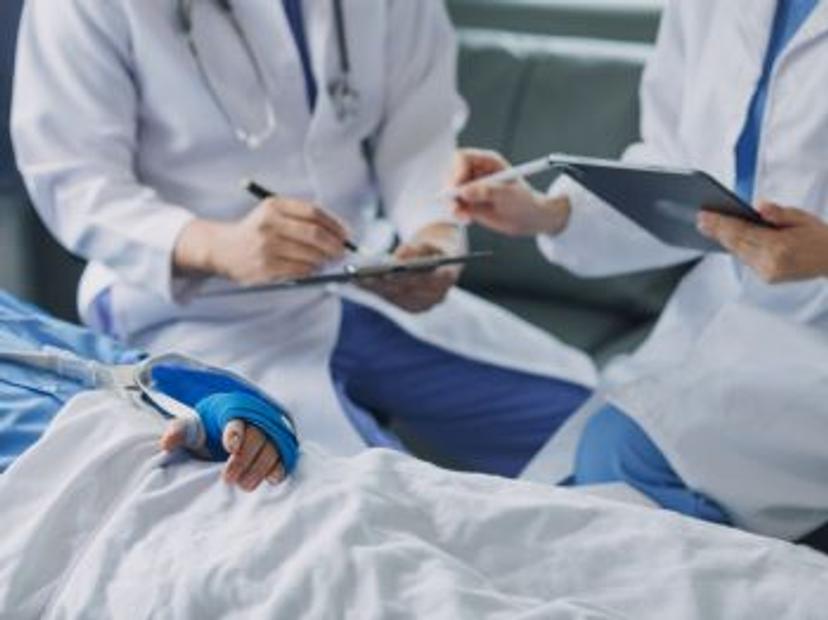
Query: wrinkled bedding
point(97, 524)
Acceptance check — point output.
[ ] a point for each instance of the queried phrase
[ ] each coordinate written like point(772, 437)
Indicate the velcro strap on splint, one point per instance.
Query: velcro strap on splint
point(218, 410)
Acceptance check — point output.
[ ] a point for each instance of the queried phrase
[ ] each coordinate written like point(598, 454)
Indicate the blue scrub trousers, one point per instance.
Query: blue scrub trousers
point(615, 449)
point(472, 415)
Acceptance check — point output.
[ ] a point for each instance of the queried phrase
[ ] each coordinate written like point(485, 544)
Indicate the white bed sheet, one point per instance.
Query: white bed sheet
point(97, 524)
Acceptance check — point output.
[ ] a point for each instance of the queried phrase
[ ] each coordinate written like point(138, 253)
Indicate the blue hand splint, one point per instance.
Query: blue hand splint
point(219, 398)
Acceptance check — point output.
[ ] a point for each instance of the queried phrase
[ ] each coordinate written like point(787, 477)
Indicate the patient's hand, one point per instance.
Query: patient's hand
point(797, 249)
point(252, 458)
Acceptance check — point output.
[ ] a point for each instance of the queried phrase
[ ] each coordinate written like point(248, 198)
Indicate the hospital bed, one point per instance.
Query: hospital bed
point(420, 539)
point(98, 523)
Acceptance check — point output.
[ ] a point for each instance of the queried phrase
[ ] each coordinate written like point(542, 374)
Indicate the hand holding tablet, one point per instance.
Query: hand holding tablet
point(664, 201)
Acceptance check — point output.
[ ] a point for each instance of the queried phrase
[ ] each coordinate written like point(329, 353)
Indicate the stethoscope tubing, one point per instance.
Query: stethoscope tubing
point(340, 89)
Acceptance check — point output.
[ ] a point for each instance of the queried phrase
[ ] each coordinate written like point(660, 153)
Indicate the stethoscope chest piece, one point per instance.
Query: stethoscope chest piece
point(344, 98)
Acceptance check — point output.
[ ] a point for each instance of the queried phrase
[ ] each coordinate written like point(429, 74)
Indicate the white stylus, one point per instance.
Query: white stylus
point(522, 171)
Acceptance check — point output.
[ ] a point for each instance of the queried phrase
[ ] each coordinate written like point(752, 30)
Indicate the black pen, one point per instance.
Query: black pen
point(262, 193)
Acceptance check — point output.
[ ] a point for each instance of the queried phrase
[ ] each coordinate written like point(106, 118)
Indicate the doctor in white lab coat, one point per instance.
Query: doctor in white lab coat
point(735, 88)
point(134, 123)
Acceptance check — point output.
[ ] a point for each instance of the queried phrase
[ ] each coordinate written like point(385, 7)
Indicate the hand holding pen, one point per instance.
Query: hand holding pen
point(259, 191)
point(280, 238)
point(487, 190)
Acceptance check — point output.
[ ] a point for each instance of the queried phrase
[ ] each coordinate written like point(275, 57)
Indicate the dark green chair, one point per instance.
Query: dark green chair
point(624, 20)
point(32, 264)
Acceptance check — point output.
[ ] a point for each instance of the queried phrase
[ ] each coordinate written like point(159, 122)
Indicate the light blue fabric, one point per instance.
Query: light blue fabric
point(219, 398)
point(614, 448)
point(790, 16)
point(476, 416)
point(29, 398)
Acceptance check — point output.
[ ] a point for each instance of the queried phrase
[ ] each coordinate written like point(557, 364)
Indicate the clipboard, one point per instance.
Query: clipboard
point(354, 274)
point(664, 201)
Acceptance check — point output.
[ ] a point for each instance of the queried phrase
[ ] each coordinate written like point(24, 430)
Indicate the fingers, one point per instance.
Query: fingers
point(415, 293)
point(315, 242)
point(782, 217)
point(472, 164)
point(252, 458)
point(483, 193)
point(240, 462)
point(277, 474)
point(233, 436)
point(174, 437)
point(299, 253)
point(512, 209)
point(261, 467)
point(469, 166)
point(412, 251)
point(311, 214)
point(738, 236)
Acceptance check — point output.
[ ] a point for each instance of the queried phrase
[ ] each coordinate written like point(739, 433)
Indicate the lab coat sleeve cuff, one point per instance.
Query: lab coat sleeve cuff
point(567, 248)
point(160, 275)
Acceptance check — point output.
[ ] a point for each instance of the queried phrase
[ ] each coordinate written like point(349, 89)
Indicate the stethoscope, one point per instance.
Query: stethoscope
point(344, 96)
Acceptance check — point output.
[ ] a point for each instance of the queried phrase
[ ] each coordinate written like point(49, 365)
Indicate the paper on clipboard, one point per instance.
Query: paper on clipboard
point(355, 273)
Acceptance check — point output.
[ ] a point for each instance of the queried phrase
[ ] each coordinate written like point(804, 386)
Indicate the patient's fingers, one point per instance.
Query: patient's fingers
point(233, 436)
point(277, 474)
point(240, 462)
point(264, 463)
point(174, 437)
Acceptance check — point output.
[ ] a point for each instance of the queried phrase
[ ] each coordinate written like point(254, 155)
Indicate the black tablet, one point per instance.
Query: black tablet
point(664, 201)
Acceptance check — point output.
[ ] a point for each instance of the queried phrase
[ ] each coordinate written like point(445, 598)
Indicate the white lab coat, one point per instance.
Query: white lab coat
point(121, 146)
point(695, 97)
point(745, 416)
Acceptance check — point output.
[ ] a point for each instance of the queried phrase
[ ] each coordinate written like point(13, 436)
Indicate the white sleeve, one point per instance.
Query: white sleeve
point(423, 113)
point(75, 131)
point(599, 241)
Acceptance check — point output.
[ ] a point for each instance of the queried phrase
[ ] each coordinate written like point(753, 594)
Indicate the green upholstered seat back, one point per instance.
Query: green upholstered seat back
point(625, 20)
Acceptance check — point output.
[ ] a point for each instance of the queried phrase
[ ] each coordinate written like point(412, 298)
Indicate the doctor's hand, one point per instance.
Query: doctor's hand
point(252, 460)
point(797, 249)
point(417, 293)
point(513, 209)
point(281, 238)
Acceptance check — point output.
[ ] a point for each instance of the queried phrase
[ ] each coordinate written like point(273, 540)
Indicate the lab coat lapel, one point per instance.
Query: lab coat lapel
point(328, 138)
point(272, 41)
point(365, 26)
point(815, 27)
point(753, 21)
point(321, 34)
